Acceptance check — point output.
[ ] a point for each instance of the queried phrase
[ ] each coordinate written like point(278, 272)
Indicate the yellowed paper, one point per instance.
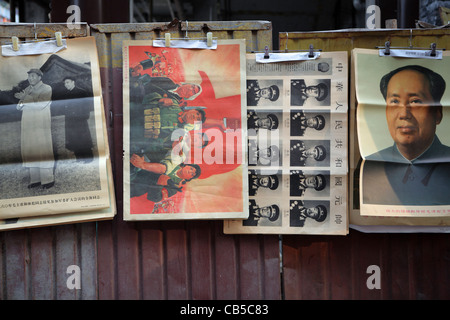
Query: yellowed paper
point(403, 137)
point(297, 128)
point(54, 154)
point(184, 127)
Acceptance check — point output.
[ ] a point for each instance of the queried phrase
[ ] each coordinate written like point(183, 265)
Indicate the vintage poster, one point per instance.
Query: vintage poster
point(184, 127)
point(297, 147)
point(403, 135)
point(54, 156)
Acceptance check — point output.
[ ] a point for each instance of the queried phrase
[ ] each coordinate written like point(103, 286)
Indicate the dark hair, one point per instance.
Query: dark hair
point(69, 78)
point(435, 80)
point(201, 111)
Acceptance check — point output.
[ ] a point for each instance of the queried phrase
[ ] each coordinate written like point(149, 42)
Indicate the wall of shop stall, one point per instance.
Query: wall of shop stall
point(194, 259)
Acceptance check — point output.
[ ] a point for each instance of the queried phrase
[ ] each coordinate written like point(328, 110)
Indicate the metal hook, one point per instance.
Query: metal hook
point(410, 38)
point(266, 52)
point(311, 51)
point(286, 46)
point(433, 50)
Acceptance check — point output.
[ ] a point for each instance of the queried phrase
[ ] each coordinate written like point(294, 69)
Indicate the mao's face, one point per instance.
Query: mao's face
point(410, 114)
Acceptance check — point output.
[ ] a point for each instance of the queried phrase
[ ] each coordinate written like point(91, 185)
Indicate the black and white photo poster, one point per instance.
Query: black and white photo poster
point(297, 147)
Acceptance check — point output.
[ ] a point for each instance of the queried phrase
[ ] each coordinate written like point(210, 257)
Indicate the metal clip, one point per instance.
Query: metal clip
point(387, 48)
point(433, 49)
point(286, 46)
point(266, 52)
point(311, 51)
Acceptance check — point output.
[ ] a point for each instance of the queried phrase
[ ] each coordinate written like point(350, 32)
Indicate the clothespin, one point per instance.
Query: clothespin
point(387, 48)
point(209, 39)
point(58, 37)
point(15, 43)
point(167, 37)
point(311, 51)
point(433, 49)
point(266, 52)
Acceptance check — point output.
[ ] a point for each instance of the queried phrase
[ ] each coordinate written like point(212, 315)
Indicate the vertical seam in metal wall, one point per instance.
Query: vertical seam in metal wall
point(3, 288)
point(28, 281)
point(280, 257)
point(54, 287)
point(96, 263)
point(140, 264)
point(78, 256)
point(188, 262)
point(165, 292)
point(213, 263)
point(238, 269)
point(262, 267)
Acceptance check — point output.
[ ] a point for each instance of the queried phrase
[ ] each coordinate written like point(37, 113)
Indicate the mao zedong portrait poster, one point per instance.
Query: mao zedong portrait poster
point(184, 131)
point(404, 135)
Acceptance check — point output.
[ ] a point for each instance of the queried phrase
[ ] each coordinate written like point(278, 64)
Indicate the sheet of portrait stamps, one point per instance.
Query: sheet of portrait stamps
point(297, 147)
point(184, 132)
point(54, 155)
point(402, 120)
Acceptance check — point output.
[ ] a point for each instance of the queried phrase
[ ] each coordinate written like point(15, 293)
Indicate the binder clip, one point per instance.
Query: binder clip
point(15, 43)
point(387, 48)
point(58, 37)
point(266, 52)
point(167, 39)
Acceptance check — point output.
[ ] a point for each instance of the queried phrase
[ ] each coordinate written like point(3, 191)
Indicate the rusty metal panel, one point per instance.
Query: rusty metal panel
point(176, 259)
point(412, 266)
point(34, 262)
